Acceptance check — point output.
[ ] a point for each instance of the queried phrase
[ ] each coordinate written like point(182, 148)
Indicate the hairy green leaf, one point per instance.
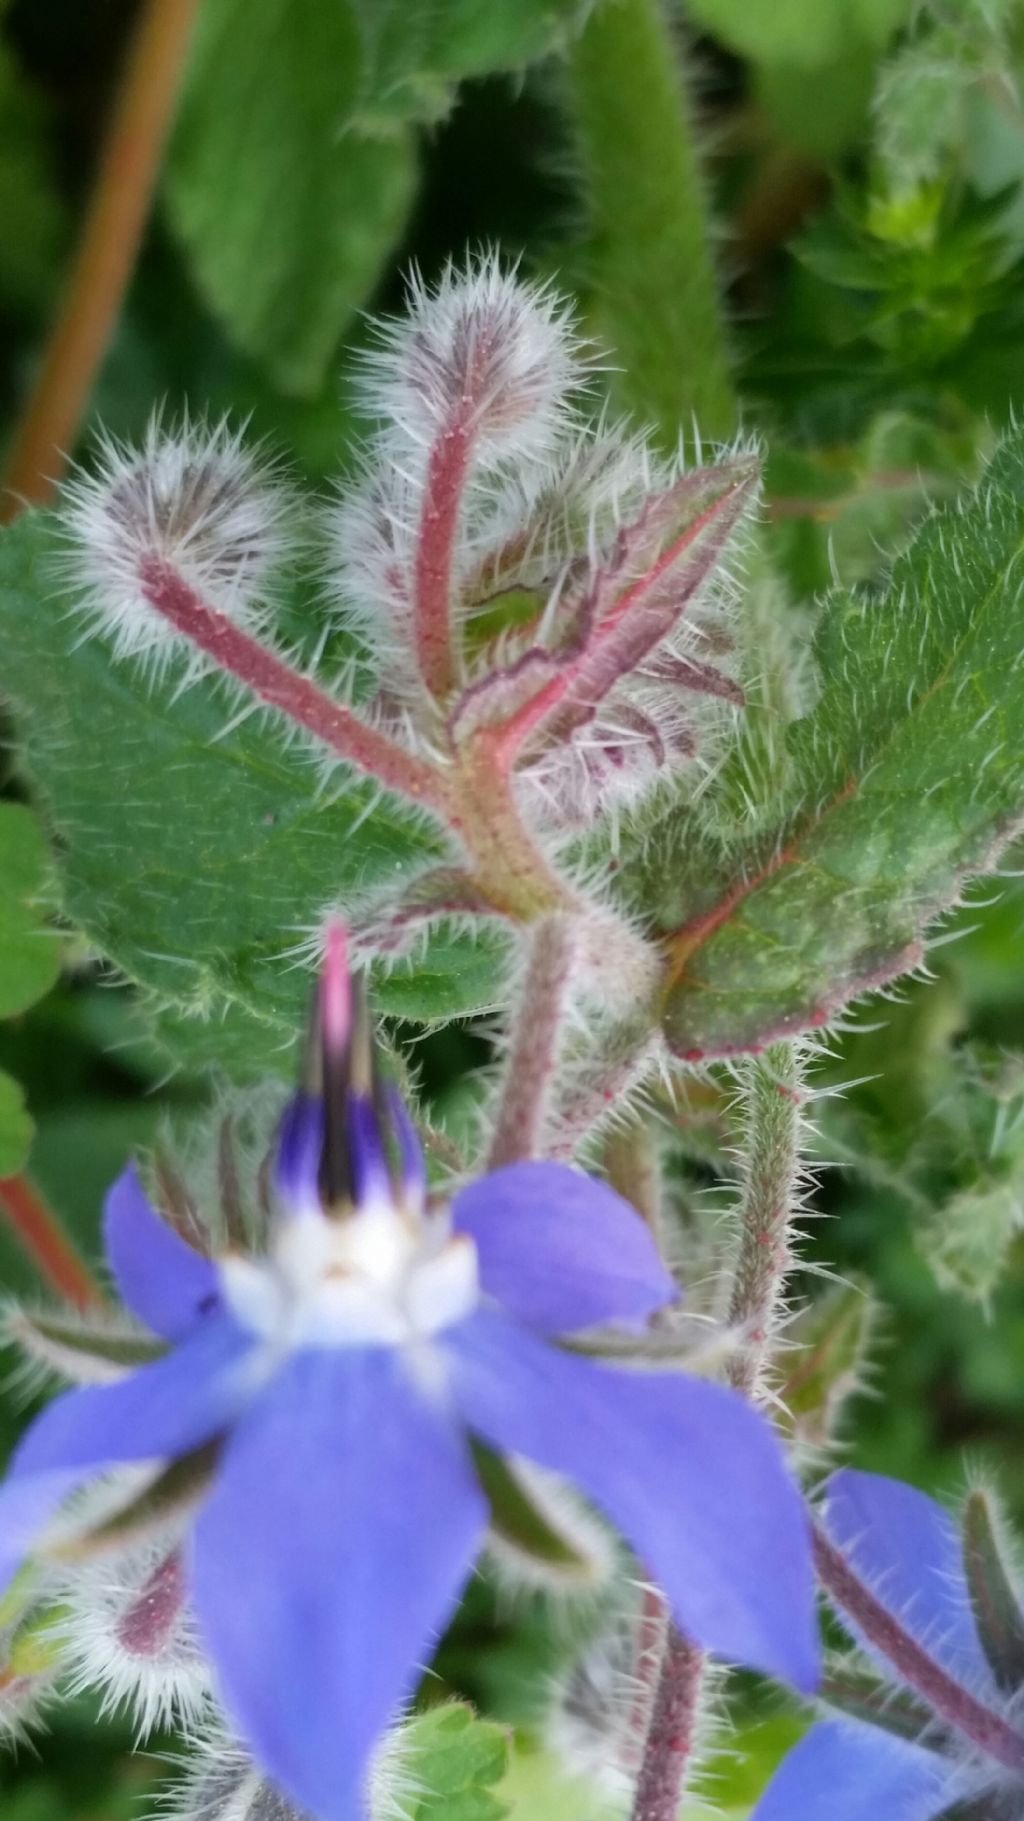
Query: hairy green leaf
point(196, 858)
point(802, 33)
point(29, 952)
point(16, 1127)
point(905, 779)
point(995, 1601)
point(286, 212)
point(454, 1761)
point(415, 54)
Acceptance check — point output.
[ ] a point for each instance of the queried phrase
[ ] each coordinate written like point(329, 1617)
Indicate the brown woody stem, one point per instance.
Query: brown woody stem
point(46, 1243)
point(105, 257)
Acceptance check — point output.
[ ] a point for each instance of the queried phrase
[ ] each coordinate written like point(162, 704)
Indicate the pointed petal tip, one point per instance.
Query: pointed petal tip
point(336, 987)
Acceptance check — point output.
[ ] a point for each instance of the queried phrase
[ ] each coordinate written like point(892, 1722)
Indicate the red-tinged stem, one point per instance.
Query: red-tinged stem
point(447, 469)
point(240, 656)
point(43, 1238)
point(648, 1656)
point(671, 1736)
point(945, 1696)
point(533, 1059)
point(586, 679)
point(106, 254)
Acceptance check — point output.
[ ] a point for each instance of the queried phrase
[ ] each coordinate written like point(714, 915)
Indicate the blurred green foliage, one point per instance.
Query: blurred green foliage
point(866, 169)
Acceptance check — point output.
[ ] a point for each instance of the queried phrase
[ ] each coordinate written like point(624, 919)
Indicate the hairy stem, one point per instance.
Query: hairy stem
point(533, 1059)
point(944, 1695)
point(764, 1255)
point(655, 293)
point(105, 257)
point(447, 470)
point(43, 1238)
point(281, 687)
point(774, 1098)
point(671, 1736)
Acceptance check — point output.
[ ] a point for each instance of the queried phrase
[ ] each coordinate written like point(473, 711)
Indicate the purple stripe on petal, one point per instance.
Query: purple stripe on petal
point(300, 1145)
point(908, 1551)
point(855, 1773)
point(159, 1412)
point(559, 1251)
point(159, 1278)
point(367, 1157)
point(328, 1558)
point(688, 1472)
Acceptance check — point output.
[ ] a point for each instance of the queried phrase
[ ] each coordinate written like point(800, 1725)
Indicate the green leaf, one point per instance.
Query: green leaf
point(906, 779)
point(16, 1127)
point(828, 1344)
point(288, 215)
point(453, 1762)
point(864, 1696)
point(415, 54)
point(29, 952)
point(995, 1602)
point(802, 33)
point(197, 862)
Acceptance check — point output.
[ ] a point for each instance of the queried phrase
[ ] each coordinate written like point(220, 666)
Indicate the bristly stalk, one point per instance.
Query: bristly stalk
point(434, 571)
point(259, 669)
point(946, 1697)
point(773, 1103)
point(533, 1058)
point(672, 1734)
point(770, 1197)
point(648, 252)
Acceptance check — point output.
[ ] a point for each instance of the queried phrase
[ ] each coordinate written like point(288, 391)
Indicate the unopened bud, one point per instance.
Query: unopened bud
point(481, 348)
point(191, 502)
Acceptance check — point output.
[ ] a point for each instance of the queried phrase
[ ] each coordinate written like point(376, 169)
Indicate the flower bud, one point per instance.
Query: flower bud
point(192, 502)
point(482, 349)
point(128, 1631)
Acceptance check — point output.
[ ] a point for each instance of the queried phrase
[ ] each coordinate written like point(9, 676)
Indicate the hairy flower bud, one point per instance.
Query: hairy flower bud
point(480, 349)
point(128, 1631)
point(192, 501)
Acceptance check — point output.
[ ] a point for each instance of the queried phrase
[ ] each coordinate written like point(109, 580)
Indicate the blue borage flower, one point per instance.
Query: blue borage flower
point(903, 1760)
point(342, 1375)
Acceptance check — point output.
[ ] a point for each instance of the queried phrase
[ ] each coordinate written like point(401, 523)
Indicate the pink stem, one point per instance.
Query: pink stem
point(533, 1059)
point(945, 1696)
point(447, 470)
point(598, 663)
point(672, 1733)
point(281, 687)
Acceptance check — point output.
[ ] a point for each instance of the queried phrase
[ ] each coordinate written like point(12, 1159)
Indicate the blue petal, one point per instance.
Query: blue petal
point(159, 1278)
point(330, 1554)
point(690, 1474)
point(159, 1412)
point(855, 1773)
point(560, 1251)
point(908, 1551)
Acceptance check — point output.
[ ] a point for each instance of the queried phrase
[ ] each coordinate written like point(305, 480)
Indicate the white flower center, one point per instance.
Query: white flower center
point(375, 1279)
